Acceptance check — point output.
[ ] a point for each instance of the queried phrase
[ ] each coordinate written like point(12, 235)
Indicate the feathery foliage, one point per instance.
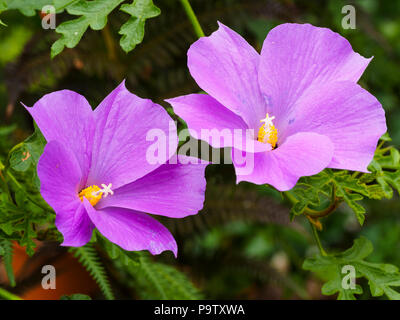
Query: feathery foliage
point(6, 252)
point(88, 257)
point(160, 281)
point(152, 280)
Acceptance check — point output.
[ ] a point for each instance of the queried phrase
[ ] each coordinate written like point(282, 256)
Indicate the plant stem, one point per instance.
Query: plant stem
point(290, 197)
point(8, 295)
point(109, 41)
point(327, 211)
point(193, 19)
point(318, 241)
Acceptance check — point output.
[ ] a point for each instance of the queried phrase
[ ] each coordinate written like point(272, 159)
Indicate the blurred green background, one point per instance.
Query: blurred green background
point(242, 244)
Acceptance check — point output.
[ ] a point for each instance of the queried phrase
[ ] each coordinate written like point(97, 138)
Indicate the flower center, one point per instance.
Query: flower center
point(94, 193)
point(268, 133)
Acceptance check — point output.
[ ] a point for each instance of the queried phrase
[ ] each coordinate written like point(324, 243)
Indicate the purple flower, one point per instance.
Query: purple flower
point(299, 98)
point(94, 171)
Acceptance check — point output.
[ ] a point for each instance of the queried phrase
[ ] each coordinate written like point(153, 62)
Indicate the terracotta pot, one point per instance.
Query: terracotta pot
point(71, 276)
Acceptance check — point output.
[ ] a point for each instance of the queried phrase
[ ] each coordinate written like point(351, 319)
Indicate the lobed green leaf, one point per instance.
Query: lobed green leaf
point(133, 30)
point(92, 14)
point(381, 277)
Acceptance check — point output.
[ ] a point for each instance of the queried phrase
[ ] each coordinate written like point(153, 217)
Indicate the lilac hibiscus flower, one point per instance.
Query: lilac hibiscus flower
point(94, 171)
point(299, 99)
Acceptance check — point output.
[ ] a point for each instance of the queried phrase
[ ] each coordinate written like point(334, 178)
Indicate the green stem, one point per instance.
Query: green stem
point(193, 19)
point(316, 213)
point(109, 41)
point(8, 295)
point(290, 197)
point(380, 145)
point(327, 211)
point(318, 241)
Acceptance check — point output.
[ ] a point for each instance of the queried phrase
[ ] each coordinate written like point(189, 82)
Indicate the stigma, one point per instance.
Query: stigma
point(268, 133)
point(94, 194)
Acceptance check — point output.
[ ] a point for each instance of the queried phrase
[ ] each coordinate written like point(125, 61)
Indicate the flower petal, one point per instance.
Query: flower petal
point(75, 226)
point(66, 116)
point(172, 190)
point(121, 140)
point(350, 116)
point(210, 121)
point(131, 230)
point(60, 177)
point(226, 66)
point(302, 154)
point(296, 58)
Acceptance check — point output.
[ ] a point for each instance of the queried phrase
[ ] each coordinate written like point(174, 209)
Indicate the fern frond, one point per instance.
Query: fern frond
point(88, 257)
point(6, 251)
point(160, 281)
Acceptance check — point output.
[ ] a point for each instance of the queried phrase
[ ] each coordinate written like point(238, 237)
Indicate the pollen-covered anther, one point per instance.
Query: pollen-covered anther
point(94, 194)
point(268, 133)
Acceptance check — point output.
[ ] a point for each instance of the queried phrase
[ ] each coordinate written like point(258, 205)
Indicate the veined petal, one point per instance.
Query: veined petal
point(350, 116)
point(212, 122)
point(299, 58)
point(226, 66)
point(172, 190)
point(66, 116)
point(75, 226)
point(60, 175)
point(121, 140)
point(131, 230)
point(302, 154)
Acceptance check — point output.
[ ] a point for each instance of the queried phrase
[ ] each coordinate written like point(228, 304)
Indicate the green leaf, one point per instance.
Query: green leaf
point(309, 191)
point(23, 157)
point(92, 14)
point(26, 154)
point(133, 30)
point(18, 219)
point(385, 174)
point(27, 7)
point(3, 7)
point(23, 211)
point(60, 5)
point(386, 137)
point(312, 192)
point(76, 296)
point(381, 277)
point(345, 182)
